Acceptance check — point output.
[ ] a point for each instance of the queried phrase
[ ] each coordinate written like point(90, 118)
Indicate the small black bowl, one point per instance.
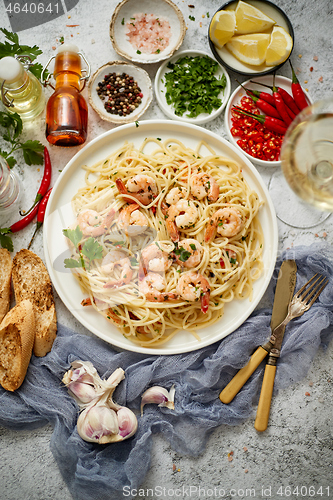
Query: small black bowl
point(229, 61)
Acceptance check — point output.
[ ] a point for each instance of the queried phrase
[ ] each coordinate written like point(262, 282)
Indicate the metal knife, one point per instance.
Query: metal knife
point(283, 294)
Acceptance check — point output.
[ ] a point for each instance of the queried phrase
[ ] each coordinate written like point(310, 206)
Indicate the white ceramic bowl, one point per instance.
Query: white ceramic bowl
point(280, 81)
point(139, 75)
point(230, 61)
point(160, 89)
point(160, 8)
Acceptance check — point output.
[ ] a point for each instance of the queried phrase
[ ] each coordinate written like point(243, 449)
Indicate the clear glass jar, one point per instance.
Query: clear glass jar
point(10, 189)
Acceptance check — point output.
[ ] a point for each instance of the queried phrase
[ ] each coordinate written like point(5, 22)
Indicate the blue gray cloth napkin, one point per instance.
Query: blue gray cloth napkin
point(100, 472)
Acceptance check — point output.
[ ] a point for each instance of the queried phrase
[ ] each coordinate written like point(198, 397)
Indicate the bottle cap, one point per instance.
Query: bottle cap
point(67, 47)
point(10, 69)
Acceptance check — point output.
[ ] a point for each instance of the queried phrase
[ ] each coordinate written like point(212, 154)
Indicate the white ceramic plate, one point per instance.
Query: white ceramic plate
point(59, 216)
point(160, 8)
point(140, 76)
point(160, 89)
point(280, 81)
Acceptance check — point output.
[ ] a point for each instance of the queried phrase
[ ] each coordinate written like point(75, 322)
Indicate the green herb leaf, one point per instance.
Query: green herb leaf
point(33, 152)
point(92, 249)
point(6, 241)
point(74, 235)
point(71, 263)
point(7, 49)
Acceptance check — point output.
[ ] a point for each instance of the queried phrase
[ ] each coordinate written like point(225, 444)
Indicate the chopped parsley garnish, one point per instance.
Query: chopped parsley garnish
point(192, 87)
point(182, 253)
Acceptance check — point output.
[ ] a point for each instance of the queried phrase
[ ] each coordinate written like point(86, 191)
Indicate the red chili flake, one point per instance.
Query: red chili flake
point(307, 394)
point(311, 69)
point(324, 234)
point(245, 448)
point(320, 79)
point(222, 263)
point(72, 25)
point(174, 467)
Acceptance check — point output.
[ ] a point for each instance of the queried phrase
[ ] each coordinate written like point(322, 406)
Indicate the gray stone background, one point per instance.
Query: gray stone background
point(296, 449)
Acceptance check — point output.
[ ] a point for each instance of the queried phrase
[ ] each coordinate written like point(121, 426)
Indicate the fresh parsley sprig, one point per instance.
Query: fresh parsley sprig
point(32, 150)
point(88, 252)
point(13, 48)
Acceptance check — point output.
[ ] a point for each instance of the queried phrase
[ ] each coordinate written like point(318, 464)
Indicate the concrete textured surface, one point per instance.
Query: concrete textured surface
point(294, 457)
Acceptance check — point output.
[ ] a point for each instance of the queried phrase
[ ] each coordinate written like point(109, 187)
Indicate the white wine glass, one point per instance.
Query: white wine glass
point(307, 168)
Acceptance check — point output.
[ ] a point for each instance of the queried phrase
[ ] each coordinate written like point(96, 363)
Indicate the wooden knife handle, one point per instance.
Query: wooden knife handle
point(235, 384)
point(265, 399)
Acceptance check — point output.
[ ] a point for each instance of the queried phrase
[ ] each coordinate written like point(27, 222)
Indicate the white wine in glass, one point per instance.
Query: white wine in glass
point(307, 155)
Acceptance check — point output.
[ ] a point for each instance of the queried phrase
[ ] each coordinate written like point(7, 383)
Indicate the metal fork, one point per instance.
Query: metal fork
point(302, 300)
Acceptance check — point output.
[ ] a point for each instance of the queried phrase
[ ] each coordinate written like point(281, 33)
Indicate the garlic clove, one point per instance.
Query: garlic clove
point(160, 396)
point(127, 422)
point(98, 424)
point(82, 393)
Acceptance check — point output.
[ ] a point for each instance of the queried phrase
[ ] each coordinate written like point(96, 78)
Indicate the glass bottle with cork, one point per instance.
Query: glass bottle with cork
point(21, 92)
point(67, 110)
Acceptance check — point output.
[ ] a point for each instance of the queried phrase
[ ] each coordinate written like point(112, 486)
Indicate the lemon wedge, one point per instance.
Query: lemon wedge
point(250, 49)
point(249, 19)
point(222, 27)
point(279, 47)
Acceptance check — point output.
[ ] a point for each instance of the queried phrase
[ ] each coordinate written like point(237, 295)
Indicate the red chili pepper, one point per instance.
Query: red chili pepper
point(280, 105)
point(21, 224)
point(270, 123)
point(289, 101)
point(40, 214)
point(45, 181)
point(261, 95)
point(287, 98)
point(264, 106)
point(297, 91)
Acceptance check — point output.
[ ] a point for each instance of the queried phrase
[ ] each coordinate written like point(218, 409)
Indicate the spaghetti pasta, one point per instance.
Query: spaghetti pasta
point(179, 233)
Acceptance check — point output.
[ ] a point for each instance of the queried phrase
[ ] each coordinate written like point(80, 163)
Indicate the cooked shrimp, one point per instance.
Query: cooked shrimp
point(188, 252)
point(152, 285)
point(125, 275)
point(226, 222)
point(93, 224)
point(142, 187)
point(175, 194)
point(153, 258)
point(132, 221)
point(110, 259)
point(193, 286)
point(181, 215)
point(204, 185)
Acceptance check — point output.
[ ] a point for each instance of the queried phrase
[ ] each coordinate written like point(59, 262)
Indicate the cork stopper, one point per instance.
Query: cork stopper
point(10, 69)
point(67, 47)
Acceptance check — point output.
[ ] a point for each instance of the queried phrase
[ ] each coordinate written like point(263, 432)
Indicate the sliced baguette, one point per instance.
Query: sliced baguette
point(31, 281)
point(17, 335)
point(5, 281)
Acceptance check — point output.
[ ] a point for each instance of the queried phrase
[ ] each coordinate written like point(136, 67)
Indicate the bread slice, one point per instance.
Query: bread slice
point(5, 281)
point(31, 281)
point(17, 335)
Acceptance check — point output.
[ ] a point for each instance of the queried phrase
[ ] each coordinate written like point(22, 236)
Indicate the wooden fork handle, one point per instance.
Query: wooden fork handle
point(235, 384)
point(265, 399)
